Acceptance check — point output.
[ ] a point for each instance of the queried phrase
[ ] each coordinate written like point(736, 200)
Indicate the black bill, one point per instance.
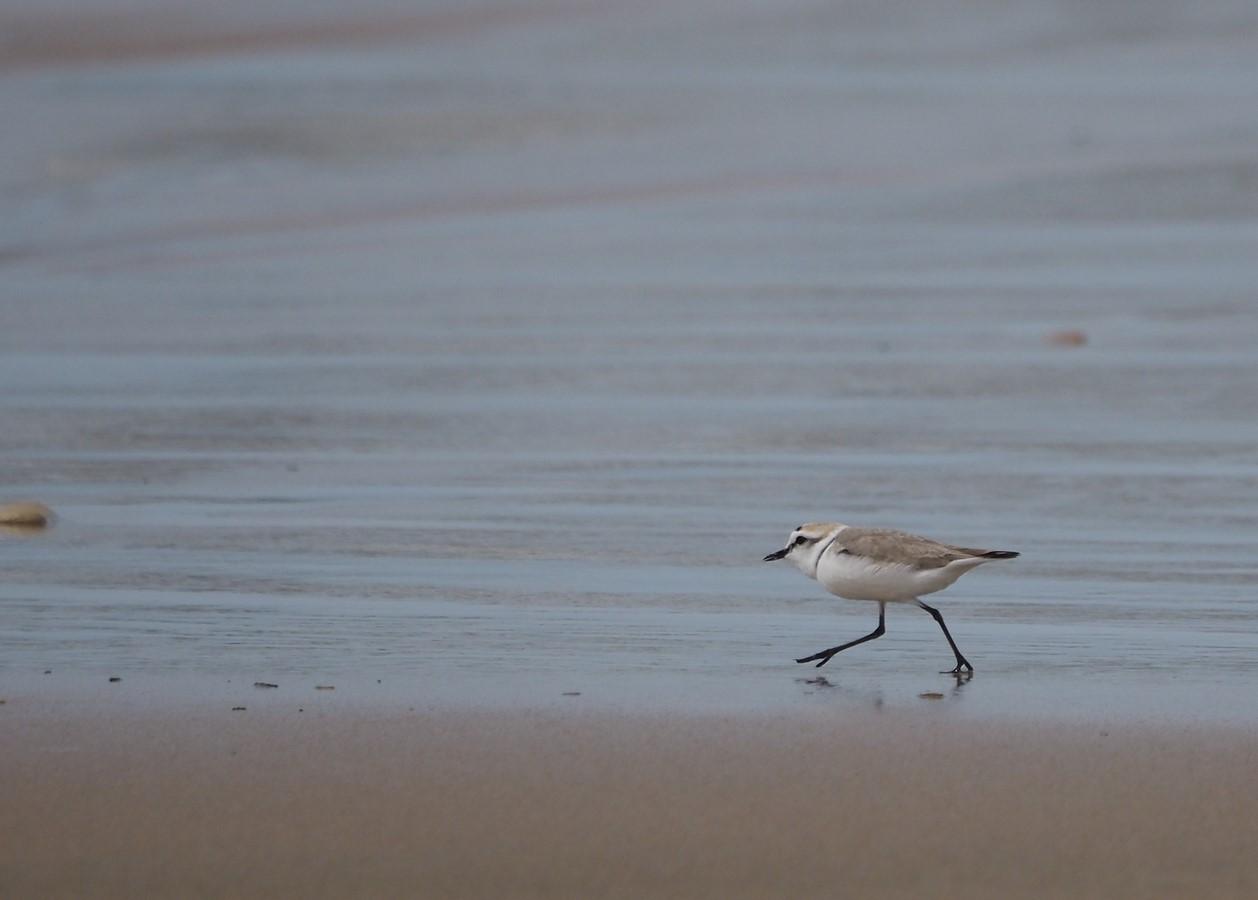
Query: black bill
point(778, 554)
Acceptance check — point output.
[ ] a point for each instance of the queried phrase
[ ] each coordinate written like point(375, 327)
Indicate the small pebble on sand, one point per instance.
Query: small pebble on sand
point(931, 695)
point(325, 687)
point(113, 678)
point(264, 684)
point(239, 708)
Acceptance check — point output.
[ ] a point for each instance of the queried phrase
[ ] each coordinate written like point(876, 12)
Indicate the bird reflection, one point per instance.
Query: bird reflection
point(874, 698)
point(820, 682)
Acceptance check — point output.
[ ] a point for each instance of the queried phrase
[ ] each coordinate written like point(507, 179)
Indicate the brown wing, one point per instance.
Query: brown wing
point(885, 545)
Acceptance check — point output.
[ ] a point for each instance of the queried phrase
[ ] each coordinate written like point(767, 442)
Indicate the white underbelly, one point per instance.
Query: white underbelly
point(857, 578)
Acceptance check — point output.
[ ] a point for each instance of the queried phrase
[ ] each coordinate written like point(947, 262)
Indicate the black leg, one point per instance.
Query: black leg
point(825, 655)
point(962, 662)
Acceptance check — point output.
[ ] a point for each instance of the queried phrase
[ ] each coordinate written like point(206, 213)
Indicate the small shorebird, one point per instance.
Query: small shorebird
point(883, 566)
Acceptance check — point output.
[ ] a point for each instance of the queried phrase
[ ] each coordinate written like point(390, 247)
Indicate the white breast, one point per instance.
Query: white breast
point(858, 578)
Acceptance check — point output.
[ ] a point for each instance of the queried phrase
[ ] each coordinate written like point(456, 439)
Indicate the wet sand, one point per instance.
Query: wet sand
point(467, 805)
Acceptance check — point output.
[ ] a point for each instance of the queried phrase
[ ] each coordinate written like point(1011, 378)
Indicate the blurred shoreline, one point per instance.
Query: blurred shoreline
point(36, 39)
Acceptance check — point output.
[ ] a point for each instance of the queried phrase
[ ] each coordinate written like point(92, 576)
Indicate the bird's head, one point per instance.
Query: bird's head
point(804, 543)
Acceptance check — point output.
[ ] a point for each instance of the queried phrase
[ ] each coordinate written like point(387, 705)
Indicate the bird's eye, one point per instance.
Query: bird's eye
point(799, 540)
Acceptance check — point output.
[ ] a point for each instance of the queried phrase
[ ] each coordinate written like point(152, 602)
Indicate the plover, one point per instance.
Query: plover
point(880, 565)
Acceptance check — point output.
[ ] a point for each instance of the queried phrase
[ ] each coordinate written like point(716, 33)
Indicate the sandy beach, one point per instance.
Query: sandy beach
point(565, 804)
point(447, 369)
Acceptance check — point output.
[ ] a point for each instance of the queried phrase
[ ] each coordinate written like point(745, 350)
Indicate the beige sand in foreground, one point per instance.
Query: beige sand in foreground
point(564, 805)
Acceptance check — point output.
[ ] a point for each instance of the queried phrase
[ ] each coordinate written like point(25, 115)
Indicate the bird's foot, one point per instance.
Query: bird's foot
point(824, 656)
point(963, 668)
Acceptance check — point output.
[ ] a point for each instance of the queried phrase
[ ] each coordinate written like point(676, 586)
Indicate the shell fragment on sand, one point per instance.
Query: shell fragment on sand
point(25, 514)
point(1067, 337)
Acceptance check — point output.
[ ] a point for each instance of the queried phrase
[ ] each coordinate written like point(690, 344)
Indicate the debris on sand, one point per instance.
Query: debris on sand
point(325, 687)
point(113, 678)
point(1067, 337)
point(931, 695)
point(25, 516)
point(572, 693)
point(264, 684)
point(239, 708)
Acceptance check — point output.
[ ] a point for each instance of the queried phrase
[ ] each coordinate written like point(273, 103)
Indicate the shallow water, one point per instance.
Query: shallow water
point(477, 359)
